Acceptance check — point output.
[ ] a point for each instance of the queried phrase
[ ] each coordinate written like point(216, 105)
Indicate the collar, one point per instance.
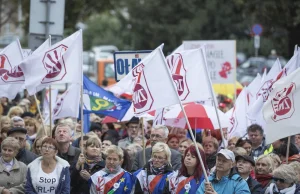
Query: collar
point(71, 151)
point(11, 163)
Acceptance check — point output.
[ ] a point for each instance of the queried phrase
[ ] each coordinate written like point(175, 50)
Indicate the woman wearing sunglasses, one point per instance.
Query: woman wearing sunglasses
point(153, 178)
point(284, 181)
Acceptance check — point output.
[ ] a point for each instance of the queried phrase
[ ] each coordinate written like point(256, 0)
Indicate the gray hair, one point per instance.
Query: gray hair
point(115, 149)
point(10, 142)
point(15, 119)
point(63, 125)
point(164, 128)
point(162, 147)
point(287, 173)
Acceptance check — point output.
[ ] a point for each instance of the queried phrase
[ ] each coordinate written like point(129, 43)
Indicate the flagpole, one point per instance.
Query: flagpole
point(212, 94)
point(186, 118)
point(39, 110)
point(81, 97)
point(143, 141)
point(50, 99)
point(288, 149)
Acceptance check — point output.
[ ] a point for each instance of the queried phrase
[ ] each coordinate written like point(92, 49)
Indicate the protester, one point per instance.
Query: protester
point(32, 127)
point(296, 166)
point(225, 179)
point(4, 131)
point(173, 141)
point(190, 176)
point(293, 153)
point(97, 129)
point(48, 173)
point(256, 136)
point(17, 121)
point(112, 178)
point(180, 132)
point(4, 122)
point(23, 155)
point(245, 165)
point(263, 170)
point(133, 130)
point(156, 169)
point(159, 133)
point(231, 143)
point(246, 144)
point(210, 145)
point(15, 111)
point(276, 160)
point(37, 145)
point(63, 138)
point(285, 180)
point(12, 172)
point(132, 150)
point(183, 145)
point(239, 151)
point(91, 161)
point(27, 115)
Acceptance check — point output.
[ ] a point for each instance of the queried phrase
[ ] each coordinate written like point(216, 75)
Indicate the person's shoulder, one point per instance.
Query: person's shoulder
point(175, 152)
point(124, 140)
point(30, 153)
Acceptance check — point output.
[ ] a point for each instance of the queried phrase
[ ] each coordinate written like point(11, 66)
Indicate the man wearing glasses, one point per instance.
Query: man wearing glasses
point(23, 155)
point(133, 130)
point(159, 133)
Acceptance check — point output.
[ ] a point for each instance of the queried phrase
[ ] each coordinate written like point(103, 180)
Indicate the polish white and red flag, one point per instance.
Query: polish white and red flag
point(61, 63)
point(282, 109)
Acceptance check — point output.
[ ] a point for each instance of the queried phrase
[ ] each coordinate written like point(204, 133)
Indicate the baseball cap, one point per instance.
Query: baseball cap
point(246, 158)
point(17, 129)
point(228, 154)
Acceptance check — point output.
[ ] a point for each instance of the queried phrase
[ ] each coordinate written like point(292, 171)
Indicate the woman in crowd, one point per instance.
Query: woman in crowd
point(48, 173)
point(91, 161)
point(105, 144)
point(231, 143)
point(285, 180)
point(15, 111)
point(153, 177)
point(183, 145)
point(246, 144)
point(263, 170)
point(113, 178)
point(173, 141)
point(190, 175)
point(12, 172)
point(276, 160)
point(210, 145)
point(4, 131)
point(4, 122)
point(32, 127)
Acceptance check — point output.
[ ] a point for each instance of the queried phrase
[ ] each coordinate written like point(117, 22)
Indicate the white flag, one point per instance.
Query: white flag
point(292, 64)
point(159, 117)
point(61, 63)
point(253, 88)
point(67, 105)
point(282, 110)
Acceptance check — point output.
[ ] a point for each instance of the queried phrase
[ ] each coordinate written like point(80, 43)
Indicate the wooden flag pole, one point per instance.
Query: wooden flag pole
point(288, 149)
point(50, 110)
point(186, 118)
point(143, 140)
point(39, 110)
point(212, 94)
point(81, 101)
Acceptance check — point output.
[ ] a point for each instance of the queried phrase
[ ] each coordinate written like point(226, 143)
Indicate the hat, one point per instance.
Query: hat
point(17, 129)
point(246, 158)
point(134, 120)
point(27, 114)
point(228, 154)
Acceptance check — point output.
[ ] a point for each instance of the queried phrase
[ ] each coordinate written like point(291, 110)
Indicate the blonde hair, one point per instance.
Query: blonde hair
point(233, 139)
point(286, 172)
point(34, 122)
point(186, 140)
point(115, 149)
point(269, 161)
point(11, 142)
point(93, 141)
point(276, 160)
point(296, 166)
point(162, 147)
point(3, 119)
point(16, 110)
point(239, 151)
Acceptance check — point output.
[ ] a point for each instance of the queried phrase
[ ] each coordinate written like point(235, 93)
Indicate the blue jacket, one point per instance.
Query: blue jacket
point(231, 184)
point(62, 166)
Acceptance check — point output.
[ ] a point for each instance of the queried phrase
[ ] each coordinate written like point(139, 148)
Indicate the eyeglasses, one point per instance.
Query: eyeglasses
point(158, 158)
point(275, 179)
point(48, 148)
point(152, 136)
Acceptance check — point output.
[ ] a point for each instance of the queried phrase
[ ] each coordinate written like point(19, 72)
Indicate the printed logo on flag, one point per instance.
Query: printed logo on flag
point(54, 64)
point(142, 98)
point(8, 74)
point(176, 66)
point(226, 70)
point(58, 106)
point(265, 90)
point(283, 103)
point(233, 121)
point(99, 104)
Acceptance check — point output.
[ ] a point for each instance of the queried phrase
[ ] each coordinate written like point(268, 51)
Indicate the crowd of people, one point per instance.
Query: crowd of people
point(116, 158)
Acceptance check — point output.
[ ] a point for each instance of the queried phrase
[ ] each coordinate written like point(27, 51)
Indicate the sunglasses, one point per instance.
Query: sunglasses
point(275, 179)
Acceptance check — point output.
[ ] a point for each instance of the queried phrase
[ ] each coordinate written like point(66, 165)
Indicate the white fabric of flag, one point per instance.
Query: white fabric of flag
point(281, 111)
point(61, 63)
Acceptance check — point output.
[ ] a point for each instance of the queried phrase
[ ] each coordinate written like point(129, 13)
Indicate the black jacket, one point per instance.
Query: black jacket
point(26, 156)
point(254, 186)
point(211, 160)
point(71, 156)
point(78, 184)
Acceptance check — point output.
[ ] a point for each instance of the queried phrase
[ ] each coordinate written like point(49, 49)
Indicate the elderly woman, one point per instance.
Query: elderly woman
point(12, 172)
point(285, 180)
point(263, 168)
point(153, 178)
point(91, 161)
point(15, 111)
point(190, 175)
point(48, 173)
point(210, 145)
point(113, 178)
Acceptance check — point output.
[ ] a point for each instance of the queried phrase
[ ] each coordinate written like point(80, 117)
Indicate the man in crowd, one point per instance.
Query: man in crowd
point(63, 136)
point(159, 133)
point(256, 136)
point(23, 155)
point(225, 179)
point(245, 164)
point(17, 121)
point(133, 130)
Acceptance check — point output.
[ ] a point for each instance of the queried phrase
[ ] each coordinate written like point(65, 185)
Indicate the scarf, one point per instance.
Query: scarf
point(157, 171)
point(274, 190)
point(264, 179)
point(91, 162)
point(112, 170)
